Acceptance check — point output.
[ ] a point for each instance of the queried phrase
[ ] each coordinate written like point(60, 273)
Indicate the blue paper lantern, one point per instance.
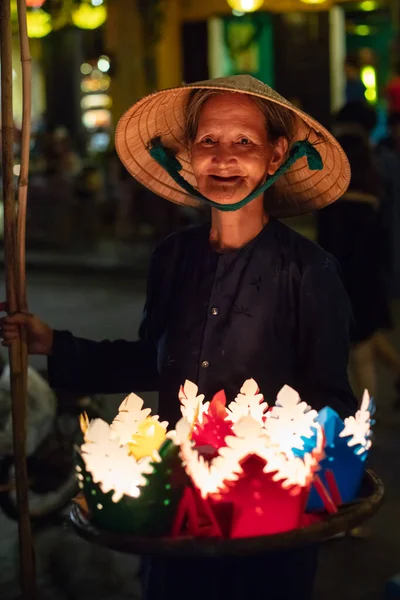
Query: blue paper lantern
point(347, 462)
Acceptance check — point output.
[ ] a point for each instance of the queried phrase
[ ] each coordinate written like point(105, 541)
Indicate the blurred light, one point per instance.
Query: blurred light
point(371, 96)
point(368, 5)
point(86, 69)
point(34, 3)
point(14, 10)
point(14, 74)
point(96, 101)
point(87, 16)
point(38, 23)
point(238, 13)
point(105, 83)
point(368, 77)
point(92, 119)
point(97, 2)
point(90, 85)
point(103, 64)
point(99, 142)
point(17, 170)
point(245, 6)
point(313, 1)
point(362, 30)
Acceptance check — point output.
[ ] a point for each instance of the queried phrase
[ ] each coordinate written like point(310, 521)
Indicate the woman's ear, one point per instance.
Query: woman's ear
point(278, 155)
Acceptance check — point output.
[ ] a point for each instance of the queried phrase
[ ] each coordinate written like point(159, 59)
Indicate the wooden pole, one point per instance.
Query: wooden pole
point(14, 304)
point(25, 147)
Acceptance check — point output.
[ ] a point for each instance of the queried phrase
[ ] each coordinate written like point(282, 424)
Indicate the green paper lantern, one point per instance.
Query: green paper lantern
point(153, 512)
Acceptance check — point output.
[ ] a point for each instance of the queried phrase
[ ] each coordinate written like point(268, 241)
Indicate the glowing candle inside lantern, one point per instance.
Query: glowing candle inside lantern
point(149, 437)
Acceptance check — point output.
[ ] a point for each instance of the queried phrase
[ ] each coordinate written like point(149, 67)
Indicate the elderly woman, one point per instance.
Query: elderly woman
point(243, 296)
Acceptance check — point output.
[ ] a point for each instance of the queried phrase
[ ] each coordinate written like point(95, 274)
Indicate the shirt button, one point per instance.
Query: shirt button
point(205, 364)
point(214, 311)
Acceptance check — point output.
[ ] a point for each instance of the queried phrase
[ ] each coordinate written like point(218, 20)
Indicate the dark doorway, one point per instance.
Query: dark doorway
point(195, 51)
point(302, 62)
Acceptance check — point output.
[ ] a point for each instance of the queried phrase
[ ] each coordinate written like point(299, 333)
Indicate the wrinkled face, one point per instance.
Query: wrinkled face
point(231, 154)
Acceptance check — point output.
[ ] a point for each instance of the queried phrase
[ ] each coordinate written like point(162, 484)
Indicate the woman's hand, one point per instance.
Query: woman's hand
point(39, 335)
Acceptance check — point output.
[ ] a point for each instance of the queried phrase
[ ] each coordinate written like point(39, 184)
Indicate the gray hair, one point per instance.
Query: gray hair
point(279, 121)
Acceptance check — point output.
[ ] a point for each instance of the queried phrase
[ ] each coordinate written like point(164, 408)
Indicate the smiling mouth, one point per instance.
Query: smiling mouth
point(232, 179)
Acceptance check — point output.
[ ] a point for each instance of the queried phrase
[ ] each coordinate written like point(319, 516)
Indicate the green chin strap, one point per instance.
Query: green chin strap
point(166, 158)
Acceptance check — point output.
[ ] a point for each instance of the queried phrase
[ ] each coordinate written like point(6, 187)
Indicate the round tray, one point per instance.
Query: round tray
point(348, 517)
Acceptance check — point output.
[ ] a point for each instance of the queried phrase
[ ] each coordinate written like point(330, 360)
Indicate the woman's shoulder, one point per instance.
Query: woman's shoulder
point(181, 240)
point(300, 250)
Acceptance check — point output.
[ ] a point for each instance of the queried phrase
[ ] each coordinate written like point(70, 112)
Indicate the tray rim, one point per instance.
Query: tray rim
point(349, 516)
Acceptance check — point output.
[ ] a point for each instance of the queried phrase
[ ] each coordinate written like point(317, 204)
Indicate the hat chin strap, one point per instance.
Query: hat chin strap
point(166, 158)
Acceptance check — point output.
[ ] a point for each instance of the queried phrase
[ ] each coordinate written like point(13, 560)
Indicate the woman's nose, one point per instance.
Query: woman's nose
point(224, 155)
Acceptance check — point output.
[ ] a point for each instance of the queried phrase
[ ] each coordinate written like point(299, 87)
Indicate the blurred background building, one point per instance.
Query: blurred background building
point(92, 59)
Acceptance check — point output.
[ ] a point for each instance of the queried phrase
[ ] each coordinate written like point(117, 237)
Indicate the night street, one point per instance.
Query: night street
point(102, 306)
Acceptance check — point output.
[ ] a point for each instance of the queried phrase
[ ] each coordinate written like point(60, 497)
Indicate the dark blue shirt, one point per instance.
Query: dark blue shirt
point(275, 310)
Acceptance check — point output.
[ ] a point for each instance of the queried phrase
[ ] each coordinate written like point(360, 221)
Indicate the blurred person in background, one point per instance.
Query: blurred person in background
point(393, 92)
point(353, 230)
point(355, 89)
point(61, 158)
point(62, 167)
point(392, 141)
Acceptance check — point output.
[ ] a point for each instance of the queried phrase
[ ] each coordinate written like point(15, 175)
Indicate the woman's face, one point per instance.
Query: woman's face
point(231, 154)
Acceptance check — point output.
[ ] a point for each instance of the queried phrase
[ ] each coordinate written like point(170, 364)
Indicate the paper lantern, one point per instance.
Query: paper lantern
point(87, 16)
point(253, 488)
point(132, 478)
point(192, 405)
point(215, 426)
point(238, 470)
point(290, 422)
point(248, 403)
point(34, 3)
point(38, 23)
point(346, 450)
point(245, 6)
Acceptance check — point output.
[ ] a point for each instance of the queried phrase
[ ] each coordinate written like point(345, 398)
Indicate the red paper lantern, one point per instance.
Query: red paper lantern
point(34, 3)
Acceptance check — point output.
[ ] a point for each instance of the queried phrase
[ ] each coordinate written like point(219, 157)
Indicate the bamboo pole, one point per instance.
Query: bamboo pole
point(25, 147)
point(17, 351)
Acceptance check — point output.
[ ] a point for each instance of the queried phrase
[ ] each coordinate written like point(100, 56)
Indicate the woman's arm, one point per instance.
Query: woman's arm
point(325, 318)
point(102, 367)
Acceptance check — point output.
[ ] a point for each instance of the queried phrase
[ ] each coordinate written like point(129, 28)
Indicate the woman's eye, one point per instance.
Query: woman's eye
point(208, 141)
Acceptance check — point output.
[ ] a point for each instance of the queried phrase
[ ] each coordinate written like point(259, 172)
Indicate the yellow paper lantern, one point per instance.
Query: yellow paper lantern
point(245, 6)
point(38, 23)
point(87, 16)
point(149, 437)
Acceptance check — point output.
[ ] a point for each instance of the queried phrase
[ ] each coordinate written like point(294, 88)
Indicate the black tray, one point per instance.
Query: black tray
point(349, 516)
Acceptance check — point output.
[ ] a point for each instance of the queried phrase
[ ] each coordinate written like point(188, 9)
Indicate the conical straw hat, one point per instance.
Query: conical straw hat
point(163, 115)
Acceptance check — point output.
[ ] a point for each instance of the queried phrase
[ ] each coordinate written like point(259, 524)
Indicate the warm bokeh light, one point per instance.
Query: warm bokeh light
point(34, 3)
point(86, 68)
point(96, 101)
point(38, 23)
point(369, 5)
point(87, 16)
point(103, 64)
point(245, 6)
point(362, 30)
point(368, 77)
point(99, 117)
